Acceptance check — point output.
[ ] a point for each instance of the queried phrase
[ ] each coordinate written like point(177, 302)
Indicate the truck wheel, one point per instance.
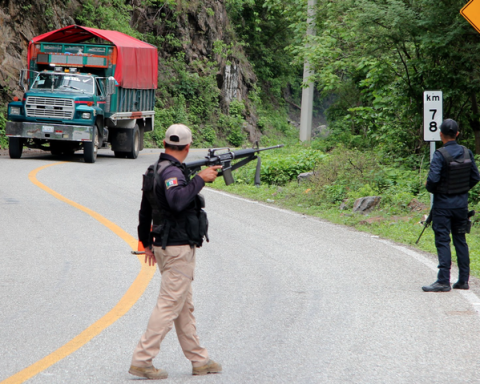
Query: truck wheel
point(120, 155)
point(15, 147)
point(135, 149)
point(55, 148)
point(90, 149)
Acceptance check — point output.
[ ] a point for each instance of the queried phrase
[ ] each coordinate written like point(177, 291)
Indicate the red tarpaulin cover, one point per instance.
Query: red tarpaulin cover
point(137, 62)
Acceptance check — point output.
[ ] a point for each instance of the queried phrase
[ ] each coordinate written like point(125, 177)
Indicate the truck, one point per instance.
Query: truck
point(84, 89)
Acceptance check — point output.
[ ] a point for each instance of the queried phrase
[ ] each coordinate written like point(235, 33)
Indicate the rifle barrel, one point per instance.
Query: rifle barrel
point(196, 163)
point(230, 155)
point(246, 152)
point(423, 230)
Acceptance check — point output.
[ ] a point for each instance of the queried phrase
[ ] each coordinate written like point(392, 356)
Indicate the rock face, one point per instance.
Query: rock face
point(205, 32)
point(366, 204)
point(20, 22)
point(202, 27)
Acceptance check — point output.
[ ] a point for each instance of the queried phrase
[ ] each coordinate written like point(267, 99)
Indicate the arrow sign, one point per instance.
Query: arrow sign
point(471, 12)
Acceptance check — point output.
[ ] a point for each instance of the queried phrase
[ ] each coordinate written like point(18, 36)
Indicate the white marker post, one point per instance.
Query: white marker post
point(432, 119)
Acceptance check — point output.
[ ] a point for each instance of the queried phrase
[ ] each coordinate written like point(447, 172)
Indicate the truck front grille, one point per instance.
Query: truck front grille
point(50, 107)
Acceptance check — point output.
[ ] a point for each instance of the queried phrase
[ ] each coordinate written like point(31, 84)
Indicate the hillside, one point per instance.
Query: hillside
point(205, 78)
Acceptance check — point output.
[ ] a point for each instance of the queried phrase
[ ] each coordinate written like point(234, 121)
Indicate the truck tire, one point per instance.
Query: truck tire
point(15, 147)
point(135, 144)
point(120, 155)
point(90, 149)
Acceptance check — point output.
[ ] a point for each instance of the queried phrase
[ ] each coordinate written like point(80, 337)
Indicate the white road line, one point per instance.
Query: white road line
point(258, 203)
point(429, 263)
point(471, 297)
point(468, 295)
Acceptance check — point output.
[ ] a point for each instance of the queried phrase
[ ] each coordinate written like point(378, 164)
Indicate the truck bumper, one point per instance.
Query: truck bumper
point(47, 131)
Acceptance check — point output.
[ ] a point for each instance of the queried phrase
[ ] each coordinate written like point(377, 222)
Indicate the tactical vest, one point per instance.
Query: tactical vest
point(187, 227)
point(456, 179)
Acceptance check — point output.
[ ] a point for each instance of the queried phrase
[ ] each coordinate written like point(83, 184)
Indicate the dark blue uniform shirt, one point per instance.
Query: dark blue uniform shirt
point(173, 191)
point(438, 169)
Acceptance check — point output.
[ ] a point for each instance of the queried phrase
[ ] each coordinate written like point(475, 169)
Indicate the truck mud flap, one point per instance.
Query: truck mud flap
point(121, 139)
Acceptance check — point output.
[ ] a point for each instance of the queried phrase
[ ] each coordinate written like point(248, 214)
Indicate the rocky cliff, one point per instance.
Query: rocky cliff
point(200, 26)
point(20, 21)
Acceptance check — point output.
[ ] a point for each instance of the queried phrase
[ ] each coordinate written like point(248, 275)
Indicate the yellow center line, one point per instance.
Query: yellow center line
point(133, 293)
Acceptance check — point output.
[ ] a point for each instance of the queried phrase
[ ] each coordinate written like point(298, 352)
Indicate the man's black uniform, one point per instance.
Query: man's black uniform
point(450, 210)
point(177, 202)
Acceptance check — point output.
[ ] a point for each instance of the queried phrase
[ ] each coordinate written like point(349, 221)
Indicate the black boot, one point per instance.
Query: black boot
point(437, 287)
point(460, 285)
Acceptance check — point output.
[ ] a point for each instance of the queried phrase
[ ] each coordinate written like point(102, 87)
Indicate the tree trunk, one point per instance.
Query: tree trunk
point(475, 122)
point(477, 141)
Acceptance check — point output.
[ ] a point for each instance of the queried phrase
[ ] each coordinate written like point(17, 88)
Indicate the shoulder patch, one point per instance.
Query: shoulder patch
point(172, 182)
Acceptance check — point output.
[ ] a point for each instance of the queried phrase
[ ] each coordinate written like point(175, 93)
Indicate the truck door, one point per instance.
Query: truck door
point(100, 93)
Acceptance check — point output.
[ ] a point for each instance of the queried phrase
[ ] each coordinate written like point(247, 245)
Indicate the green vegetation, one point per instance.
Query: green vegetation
point(375, 59)
point(3, 120)
point(371, 60)
point(341, 176)
point(108, 14)
point(264, 33)
point(188, 92)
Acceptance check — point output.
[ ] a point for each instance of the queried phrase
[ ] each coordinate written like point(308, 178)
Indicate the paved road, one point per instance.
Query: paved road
point(280, 297)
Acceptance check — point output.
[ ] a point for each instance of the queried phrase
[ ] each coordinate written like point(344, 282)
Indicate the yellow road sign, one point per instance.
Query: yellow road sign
point(471, 12)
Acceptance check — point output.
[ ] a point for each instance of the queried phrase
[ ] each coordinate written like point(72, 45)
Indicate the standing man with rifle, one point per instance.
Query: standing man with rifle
point(453, 173)
point(172, 201)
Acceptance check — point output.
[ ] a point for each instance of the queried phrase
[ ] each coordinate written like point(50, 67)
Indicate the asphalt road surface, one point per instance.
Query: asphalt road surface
point(280, 297)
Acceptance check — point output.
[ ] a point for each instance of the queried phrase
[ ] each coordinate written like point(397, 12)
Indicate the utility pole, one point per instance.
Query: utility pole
point(307, 92)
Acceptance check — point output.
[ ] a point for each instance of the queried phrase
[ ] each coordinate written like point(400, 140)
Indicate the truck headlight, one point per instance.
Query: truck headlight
point(86, 115)
point(14, 110)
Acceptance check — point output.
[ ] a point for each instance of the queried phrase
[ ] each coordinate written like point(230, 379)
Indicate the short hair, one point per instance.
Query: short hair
point(175, 147)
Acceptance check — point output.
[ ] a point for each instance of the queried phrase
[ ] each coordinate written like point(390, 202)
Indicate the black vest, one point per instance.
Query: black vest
point(172, 228)
point(456, 179)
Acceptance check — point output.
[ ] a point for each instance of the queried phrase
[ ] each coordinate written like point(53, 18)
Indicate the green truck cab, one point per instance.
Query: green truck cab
point(84, 96)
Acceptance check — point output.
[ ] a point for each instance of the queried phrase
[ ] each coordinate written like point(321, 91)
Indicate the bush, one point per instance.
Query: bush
point(351, 174)
point(281, 166)
point(3, 121)
point(335, 193)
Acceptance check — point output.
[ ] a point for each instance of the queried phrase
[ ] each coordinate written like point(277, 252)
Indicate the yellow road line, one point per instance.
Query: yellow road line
point(133, 293)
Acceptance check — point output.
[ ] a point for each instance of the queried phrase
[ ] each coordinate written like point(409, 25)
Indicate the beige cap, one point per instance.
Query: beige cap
point(178, 134)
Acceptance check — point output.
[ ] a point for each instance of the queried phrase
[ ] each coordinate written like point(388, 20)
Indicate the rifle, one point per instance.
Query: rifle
point(426, 223)
point(225, 160)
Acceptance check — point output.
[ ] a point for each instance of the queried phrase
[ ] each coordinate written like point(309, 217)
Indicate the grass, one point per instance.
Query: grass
point(402, 227)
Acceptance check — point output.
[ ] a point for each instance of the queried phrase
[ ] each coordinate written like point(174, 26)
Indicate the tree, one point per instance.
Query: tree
point(377, 58)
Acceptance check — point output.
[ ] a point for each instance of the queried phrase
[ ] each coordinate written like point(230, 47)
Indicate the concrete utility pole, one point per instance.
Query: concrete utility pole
point(307, 93)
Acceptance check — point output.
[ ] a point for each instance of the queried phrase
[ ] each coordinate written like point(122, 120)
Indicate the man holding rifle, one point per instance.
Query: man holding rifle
point(172, 201)
point(453, 173)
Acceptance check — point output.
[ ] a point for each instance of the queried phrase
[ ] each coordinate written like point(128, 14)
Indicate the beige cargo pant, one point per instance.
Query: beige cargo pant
point(174, 306)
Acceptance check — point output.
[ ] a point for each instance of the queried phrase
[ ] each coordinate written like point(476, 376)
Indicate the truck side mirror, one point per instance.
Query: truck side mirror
point(111, 85)
point(21, 82)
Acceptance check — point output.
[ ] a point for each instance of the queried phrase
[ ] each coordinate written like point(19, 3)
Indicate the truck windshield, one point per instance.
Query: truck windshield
point(64, 82)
